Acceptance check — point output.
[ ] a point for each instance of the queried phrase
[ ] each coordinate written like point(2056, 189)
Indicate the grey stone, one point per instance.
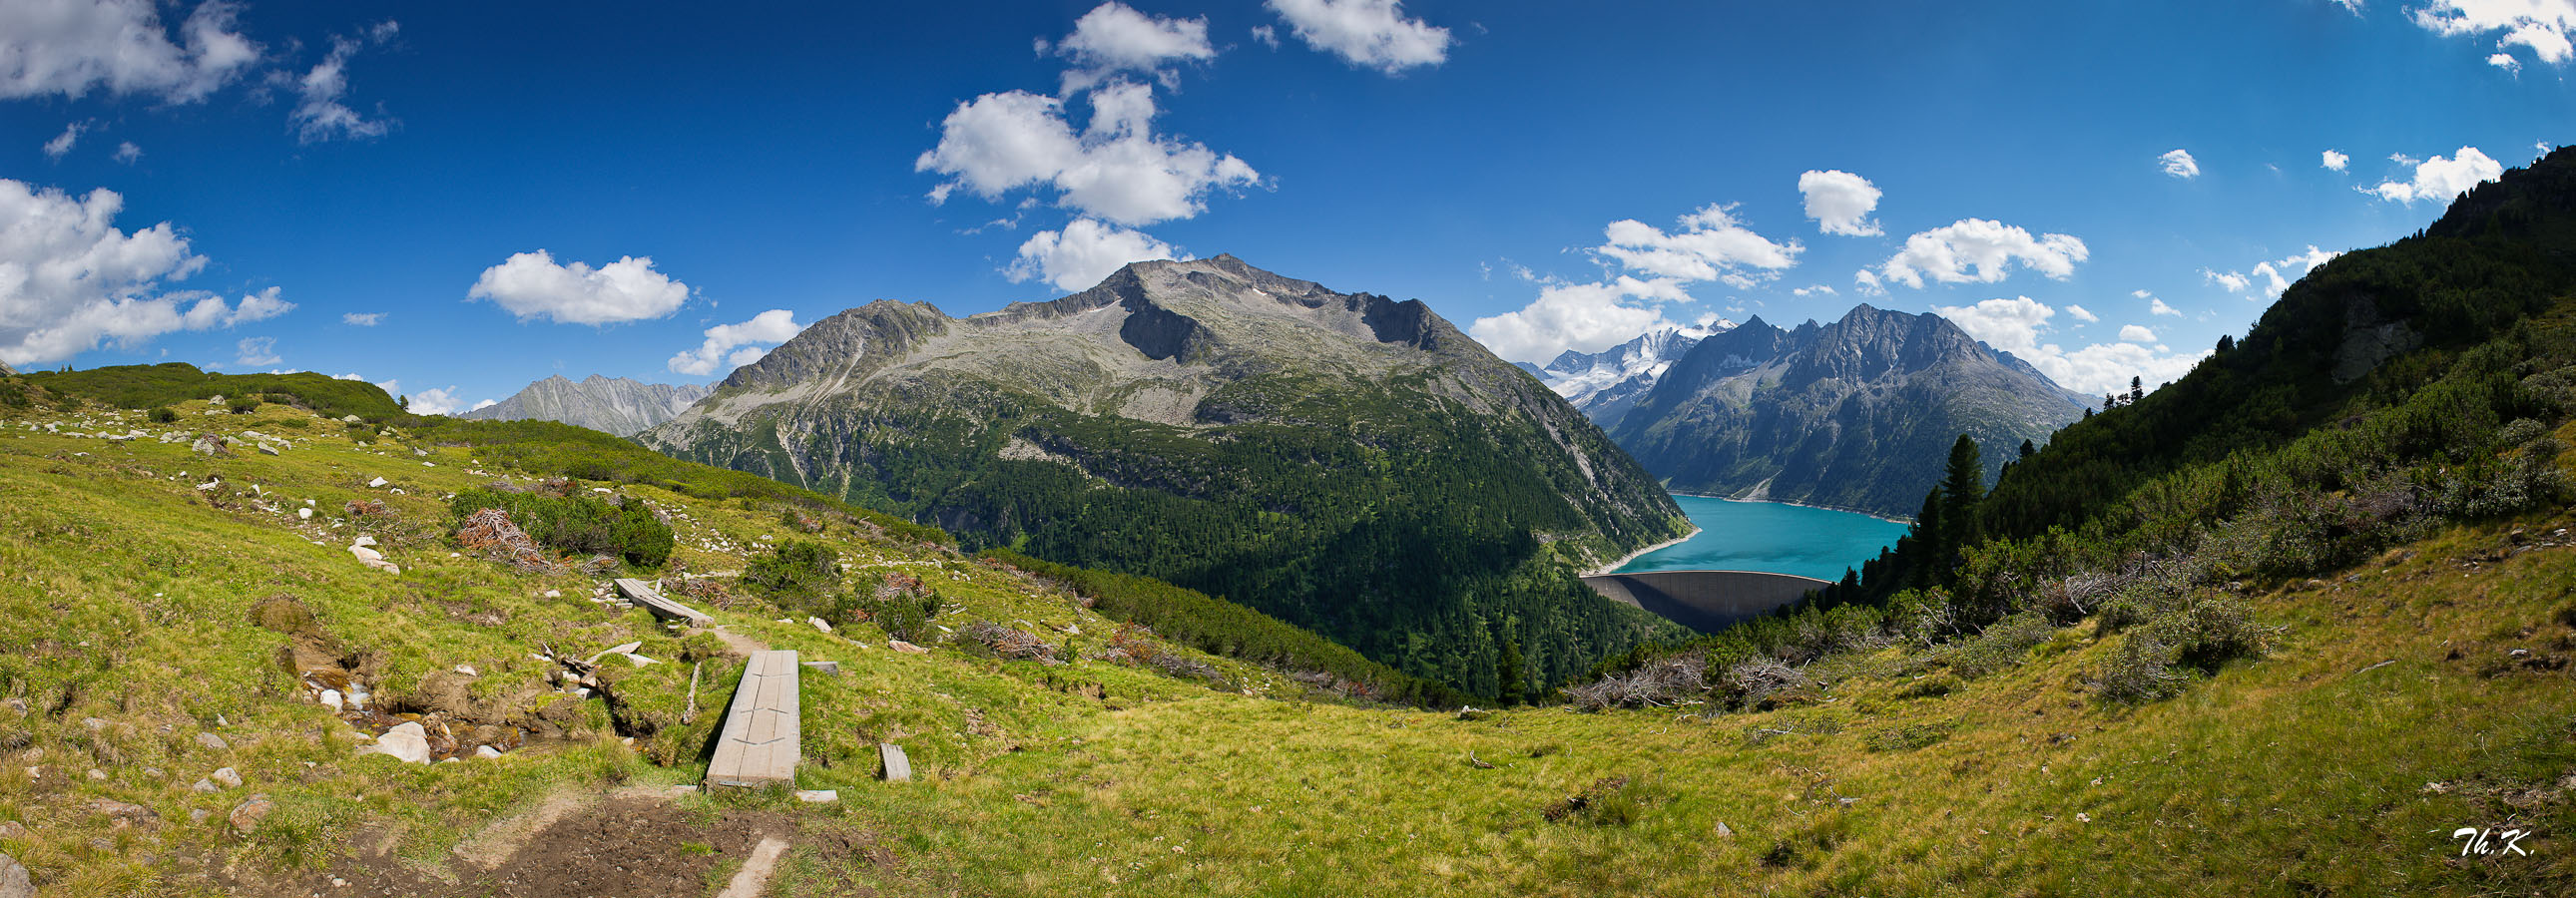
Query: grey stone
point(228, 778)
point(408, 743)
point(247, 815)
point(485, 751)
point(898, 768)
point(202, 786)
point(212, 742)
point(829, 668)
point(13, 879)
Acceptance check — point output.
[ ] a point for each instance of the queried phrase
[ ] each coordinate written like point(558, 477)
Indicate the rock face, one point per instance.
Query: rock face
point(1344, 461)
point(1855, 414)
point(1606, 384)
point(621, 406)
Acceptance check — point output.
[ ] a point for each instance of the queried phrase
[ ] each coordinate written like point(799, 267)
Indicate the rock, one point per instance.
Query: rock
point(11, 829)
point(818, 796)
point(376, 483)
point(363, 540)
point(203, 785)
point(638, 660)
point(349, 419)
point(122, 811)
point(906, 647)
point(304, 514)
point(467, 669)
point(554, 593)
point(209, 444)
point(408, 743)
point(374, 559)
point(1723, 832)
point(820, 624)
point(13, 879)
point(897, 768)
point(227, 778)
point(247, 815)
point(829, 668)
point(485, 751)
point(1473, 714)
point(94, 724)
point(331, 699)
point(97, 776)
point(199, 815)
point(266, 449)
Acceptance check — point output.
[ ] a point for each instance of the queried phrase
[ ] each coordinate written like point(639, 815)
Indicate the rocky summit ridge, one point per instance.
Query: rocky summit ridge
point(617, 405)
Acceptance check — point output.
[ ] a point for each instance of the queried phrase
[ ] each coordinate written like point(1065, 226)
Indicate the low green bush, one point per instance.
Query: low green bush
point(583, 525)
point(163, 415)
point(796, 568)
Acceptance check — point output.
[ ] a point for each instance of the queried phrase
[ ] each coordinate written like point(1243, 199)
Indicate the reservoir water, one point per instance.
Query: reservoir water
point(1771, 537)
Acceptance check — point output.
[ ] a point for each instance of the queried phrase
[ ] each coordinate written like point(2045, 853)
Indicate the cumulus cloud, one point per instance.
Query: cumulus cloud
point(531, 285)
point(440, 401)
point(62, 143)
point(2541, 26)
point(362, 319)
point(2017, 326)
point(2268, 278)
point(1979, 250)
point(1367, 33)
point(1117, 169)
point(488, 403)
point(255, 351)
point(128, 153)
point(1866, 281)
point(1709, 245)
point(732, 344)
point(69, 47)
point(1840, 202)
point(70, 280)
point(322, 113)
point(2078, 313)
point(1084, 253)
point(2179, 163)
point(2130, 333)
point(1266, 35)
point(2335, 160)
point(1581, 317)
point(2439, 179)
point(1816, 290)
point(1114, 37)
point(2157, 307)
point(2505, 61)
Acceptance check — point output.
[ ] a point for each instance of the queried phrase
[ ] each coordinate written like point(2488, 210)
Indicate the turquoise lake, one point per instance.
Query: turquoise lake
point(1771, 537)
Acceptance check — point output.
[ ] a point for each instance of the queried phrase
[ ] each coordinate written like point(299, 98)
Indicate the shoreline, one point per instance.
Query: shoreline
point(1839, 508)
point(1632, 556)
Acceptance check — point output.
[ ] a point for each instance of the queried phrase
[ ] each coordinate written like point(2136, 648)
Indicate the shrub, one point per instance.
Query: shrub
point(582, 525)
point(245, 405)
point(163, 415)
point(796, 568)
point(900, 606)
point(2140, 672)
point(1933, 686)
point(2212, 632)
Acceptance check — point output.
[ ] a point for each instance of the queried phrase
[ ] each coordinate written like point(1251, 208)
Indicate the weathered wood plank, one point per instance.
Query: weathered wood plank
point(644, 594)
point(760, 742)
point(898, 769)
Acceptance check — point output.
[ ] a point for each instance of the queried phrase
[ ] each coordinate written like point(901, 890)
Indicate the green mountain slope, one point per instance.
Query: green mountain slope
point(1344, 462)
point(1855, 414)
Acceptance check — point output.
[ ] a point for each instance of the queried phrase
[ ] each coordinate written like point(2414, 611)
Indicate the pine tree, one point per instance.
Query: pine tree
point(1961, 486)
point(1514, 688)
point(2028, 450)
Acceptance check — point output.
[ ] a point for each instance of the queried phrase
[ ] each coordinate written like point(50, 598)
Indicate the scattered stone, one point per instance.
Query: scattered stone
point(97, 776)
point(363, 540)
point(898, 769)
point(374, 559)
point(1723, 832)
point(94, 724)
point(199, 815)
point(906, 647)
point(832, 668)
point(349, 419)
point(408, 743)
point(638, 660)
point(467, 669)
point(11, 829)
point(486, 751)
point(376, 483)
point(266, 449)
point(554, 593)
point(331, 699)
point(818, 796)
point(122, 811)
point(304, 514)
point(228, 778)
point(820, 624)
point(13, 879)
point(247, 815)
point(203, 785)
point(1470, 713)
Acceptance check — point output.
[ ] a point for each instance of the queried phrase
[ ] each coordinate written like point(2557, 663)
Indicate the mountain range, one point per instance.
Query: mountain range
point(1606, 384)
point(1343, 461)
point(1857, 414)
point(618, 405)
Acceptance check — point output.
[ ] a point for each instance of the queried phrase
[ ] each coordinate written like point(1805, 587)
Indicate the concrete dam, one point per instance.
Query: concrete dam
point(1706, 601)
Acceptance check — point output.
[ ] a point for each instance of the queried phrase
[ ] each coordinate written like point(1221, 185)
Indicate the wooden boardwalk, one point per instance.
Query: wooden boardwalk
point(760, 741)
point(642, 593)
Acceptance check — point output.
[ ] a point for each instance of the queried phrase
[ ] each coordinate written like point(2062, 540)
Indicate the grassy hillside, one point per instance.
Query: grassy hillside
point(129, 597)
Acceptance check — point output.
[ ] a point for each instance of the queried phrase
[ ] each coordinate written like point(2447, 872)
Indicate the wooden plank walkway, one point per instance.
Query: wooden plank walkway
point(642, 593)
point(761, 736)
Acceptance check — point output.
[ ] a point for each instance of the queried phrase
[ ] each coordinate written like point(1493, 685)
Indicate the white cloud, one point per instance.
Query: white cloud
point(442, 401)
point(773, 326)
point(1580, 317)
point(2335, 160)
point(2130, 333)
point(1840, 202)
point(2268, 278)
point(1370, 33)
point(1710, 245)
point(2157, 307)
point(2354, 6)
point(1979, 250)
point(488, 403)
point(2016, 325)
point(362, 319)
point(256, 351)
point(2079, 314)
point(69, 279)
point(321, 114)
point(2178, 163)
point(1866, 281)
point(2542, 26)
point(2235, 282)
point(2440, 179)
point(1268, 36)
point(1816, 290)
point(531, 285)
point(2505, 61)
point(1117, 169)
point(68, 47)
point(1113, 37)
point(1085, 252)
point(62, 143)
point(128, 153)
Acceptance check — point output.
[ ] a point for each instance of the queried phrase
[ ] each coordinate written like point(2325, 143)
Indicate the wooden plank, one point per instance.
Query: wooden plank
point(760, 739)
point(898, 769)
point(642, 593)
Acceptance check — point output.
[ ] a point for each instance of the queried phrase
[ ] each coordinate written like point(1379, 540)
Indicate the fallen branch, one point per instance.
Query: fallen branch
point(1478, 762)
point(2375, 667)
point(691, 715)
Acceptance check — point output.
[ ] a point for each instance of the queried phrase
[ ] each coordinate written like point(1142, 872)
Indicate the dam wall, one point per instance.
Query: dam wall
point(1706, 601)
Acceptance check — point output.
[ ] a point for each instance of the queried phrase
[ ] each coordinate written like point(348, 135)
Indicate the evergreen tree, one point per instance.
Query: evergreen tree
point(1961, 486)
point(2028, 450)
point(1514, 688)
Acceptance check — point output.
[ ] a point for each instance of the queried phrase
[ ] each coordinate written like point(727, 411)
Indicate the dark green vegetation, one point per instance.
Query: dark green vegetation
point(1225, 629)
point(581, 524)
point(175, 383)
point(2389, 394)
point(1852, 414)
point(1409, 496)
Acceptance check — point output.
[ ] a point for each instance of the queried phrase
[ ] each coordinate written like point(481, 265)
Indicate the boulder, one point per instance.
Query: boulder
point(485, 751)
point(376, 483)
point(827, 668)
point(212, 742)
point(408, 743)
point(906, 647)
point(227, 778)
point(122, 811)
point(247, 815)
point(203, 785)
point(350, 419)
point(331, 699)
point(266, 449)
point(820, 624)
point(13, 879)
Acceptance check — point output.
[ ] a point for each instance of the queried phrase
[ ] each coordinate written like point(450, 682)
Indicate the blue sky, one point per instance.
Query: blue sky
point(460, 198)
